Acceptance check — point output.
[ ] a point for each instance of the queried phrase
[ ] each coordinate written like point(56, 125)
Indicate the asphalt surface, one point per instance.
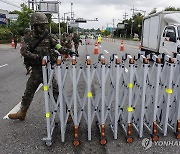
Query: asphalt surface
point(24, 137)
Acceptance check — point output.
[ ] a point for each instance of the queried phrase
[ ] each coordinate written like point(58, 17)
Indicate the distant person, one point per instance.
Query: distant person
point(76, 39)
point(99, 39)
point(15, 41)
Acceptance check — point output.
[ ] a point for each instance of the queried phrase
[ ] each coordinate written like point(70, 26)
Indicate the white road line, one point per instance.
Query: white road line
point(106, 51)
point(17, 107)
point(3, 65)
point(100, 46)
point(126, 70)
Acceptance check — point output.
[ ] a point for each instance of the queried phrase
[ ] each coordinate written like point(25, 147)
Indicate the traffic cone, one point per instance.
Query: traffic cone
point(96, 51)
point(122, 46)
point(12, 43)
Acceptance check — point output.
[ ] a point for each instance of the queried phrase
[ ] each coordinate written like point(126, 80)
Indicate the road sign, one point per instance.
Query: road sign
point(48, 6)
point(73, 24)
point(121, 26)
point(80, 20)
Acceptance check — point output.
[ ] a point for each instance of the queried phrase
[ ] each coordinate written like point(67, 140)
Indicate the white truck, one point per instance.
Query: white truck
point(161, 33)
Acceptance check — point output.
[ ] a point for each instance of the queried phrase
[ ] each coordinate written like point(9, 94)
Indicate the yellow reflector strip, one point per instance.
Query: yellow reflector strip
point(48, 115)
point(45, 88)
point(169, 91)
point(58, 46)
point(89, 94)
point(129, 109)
point(130, 85)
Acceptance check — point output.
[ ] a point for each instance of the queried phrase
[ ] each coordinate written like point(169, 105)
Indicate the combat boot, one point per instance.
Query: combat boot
point(21, 114)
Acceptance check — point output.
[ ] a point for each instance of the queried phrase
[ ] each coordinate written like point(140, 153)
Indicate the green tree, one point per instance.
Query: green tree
point(170, 8)
point(14, 12)
point(153, 11)
point(23, 20)
point(137, 24)
point(54, 28)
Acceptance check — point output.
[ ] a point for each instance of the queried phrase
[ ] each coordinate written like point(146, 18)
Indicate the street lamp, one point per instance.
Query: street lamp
point(132, 28)
point(66, 21)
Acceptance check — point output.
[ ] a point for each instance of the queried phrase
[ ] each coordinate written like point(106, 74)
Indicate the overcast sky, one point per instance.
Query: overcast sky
point(104, 10)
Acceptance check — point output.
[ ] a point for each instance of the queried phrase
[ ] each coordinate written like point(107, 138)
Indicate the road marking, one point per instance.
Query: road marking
point(106, 51)
point(17, 107)
point(3, 65)
point(126, 70)
point(100, 46)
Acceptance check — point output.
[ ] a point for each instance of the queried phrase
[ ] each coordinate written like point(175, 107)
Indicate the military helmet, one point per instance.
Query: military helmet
point(38, 19)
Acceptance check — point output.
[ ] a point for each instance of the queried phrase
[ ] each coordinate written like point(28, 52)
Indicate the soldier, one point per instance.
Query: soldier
point(27, 39)
point(15, 41)
point(41, 44)
point(66, 45)
point(76, 42)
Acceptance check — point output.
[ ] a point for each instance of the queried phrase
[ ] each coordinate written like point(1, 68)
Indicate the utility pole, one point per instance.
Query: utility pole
point(33, 5)
point(71, 12)
point(59, 3)
point(113, 23)
point(125, 15)
point(132, 21)
point(107, 25)
point(113, 27)
point(28, 4)
point(133, 9)
point(141, 11)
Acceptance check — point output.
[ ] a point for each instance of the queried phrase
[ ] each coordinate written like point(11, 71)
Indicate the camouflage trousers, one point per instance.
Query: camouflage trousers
point(35, 79)
point(76, 47)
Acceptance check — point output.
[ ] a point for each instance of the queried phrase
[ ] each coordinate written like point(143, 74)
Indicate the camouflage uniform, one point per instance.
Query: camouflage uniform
point(15, 41)
point(66, 45)
point(26, 40)
point(44, 48)
point(76, 42)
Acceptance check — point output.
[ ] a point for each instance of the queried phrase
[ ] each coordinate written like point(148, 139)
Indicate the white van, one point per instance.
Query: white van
point(161, 33)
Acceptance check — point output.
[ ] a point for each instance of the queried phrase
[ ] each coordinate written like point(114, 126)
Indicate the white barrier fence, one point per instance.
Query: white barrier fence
point(143, 97)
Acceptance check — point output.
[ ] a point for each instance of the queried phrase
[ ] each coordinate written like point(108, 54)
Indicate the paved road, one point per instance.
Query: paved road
point(25, 137)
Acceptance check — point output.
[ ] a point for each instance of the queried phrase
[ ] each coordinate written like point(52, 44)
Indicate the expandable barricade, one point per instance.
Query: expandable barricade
point(125, 93)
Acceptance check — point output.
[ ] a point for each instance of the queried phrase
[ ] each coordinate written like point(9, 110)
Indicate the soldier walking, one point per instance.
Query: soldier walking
point(76, 42)
point(41, 44)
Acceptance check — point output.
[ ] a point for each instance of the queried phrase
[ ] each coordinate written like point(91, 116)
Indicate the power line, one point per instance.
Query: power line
point(125, 15)
point(10, 3)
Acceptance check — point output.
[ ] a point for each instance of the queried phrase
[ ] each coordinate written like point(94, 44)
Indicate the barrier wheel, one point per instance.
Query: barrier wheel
point(155, 137)
point(178, 135)
point(76, 143)
point(48, 143)
point(129, 139)
point(103, 141)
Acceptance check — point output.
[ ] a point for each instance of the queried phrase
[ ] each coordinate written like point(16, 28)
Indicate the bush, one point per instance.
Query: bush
point(5, 35)
point(135, 39)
